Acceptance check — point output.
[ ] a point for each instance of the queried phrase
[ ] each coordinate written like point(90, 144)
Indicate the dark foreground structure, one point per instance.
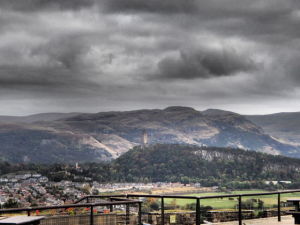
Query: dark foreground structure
point(127, 210)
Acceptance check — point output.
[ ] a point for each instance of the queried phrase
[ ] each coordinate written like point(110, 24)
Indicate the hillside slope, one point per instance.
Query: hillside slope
point(36, 117)
point(107, 135)
point(284, 126)
point(198, 164)
point(40, 145)
point(226, 167)
point(181, 125)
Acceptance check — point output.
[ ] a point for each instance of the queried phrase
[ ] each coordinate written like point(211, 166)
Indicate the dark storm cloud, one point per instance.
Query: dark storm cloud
point(29, 76)
point(66, 51)
point(210, 50)
point(57, 63)
point(33, 5)
point(293, 66)
point(208, 8)
point(203, 63)
point(153, 6)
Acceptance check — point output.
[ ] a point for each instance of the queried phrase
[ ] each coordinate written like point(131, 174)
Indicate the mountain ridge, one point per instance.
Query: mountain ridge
point(36, 117)
point(284, 126)
point(107, 135)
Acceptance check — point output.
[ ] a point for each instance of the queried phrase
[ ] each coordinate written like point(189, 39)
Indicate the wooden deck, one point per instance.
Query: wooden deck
point(285, 220)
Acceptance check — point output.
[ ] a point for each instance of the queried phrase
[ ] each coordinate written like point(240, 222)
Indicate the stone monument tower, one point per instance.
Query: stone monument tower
point(144, 138)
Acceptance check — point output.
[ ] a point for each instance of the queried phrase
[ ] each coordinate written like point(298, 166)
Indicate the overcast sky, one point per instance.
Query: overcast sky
point(90, 56)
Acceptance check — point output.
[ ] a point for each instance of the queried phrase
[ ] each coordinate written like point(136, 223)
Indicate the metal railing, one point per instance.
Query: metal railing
point(198, 201)
point(127, 200)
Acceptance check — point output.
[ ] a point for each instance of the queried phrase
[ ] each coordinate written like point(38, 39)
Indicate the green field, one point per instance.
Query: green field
point(225, 203)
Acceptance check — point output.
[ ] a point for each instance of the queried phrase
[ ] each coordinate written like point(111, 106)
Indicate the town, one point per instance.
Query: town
point(34, 189)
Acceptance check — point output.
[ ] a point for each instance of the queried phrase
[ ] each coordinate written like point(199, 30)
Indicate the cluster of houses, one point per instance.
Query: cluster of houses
point(31, 189)
point(108, 187)
point(27, 177)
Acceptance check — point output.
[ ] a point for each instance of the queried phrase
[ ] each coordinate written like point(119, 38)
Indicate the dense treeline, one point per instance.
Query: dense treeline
point(233, 168)
point(207, 165)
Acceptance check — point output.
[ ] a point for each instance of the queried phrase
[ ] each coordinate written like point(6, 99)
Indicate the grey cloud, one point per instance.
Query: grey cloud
point(293, 67)
point(152, 6)
point(33, 5)
point(65, 51)
point(203, 63)
point(260, 18)
point(56, 64)
point(51, 49)
point(265, 11)
point(29, 76)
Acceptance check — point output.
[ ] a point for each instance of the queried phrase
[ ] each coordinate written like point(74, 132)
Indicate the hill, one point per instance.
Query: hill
point(227, 167)
point(180, 125)
point(207, 165)
point(36, 117)
point(107, 135)
point(285, 126)
point(45, 145)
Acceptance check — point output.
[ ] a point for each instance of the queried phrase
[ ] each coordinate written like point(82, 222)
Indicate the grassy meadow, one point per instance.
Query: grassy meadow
point(226, 203)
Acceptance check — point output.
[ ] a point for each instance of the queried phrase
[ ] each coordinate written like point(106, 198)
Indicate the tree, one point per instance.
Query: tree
point(11, 203)
point(150, 204)
point(260, 204)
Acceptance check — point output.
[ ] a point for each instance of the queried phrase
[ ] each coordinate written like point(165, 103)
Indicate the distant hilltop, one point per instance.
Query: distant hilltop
point(93, 137)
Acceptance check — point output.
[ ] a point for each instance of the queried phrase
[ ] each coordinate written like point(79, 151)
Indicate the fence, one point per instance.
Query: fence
point(198, 201)
point(130, 199)
point(91, 218)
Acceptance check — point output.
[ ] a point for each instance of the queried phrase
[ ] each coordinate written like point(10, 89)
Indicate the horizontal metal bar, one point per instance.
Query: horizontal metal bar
point(162, 196)
point(81, 199)
point(70, 206)
point(121, 199)
point(98, 196)
point(214, 196)
point(132, 201)
point(107, 196)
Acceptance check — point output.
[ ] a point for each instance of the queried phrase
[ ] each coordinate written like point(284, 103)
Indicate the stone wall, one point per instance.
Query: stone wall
point(224, 216)
point(272, 213)
point(179, 218)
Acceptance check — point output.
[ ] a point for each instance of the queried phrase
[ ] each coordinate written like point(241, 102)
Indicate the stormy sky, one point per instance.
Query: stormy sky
point(101, 55)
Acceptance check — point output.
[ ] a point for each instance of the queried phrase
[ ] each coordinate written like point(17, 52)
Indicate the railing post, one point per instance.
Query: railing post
point(198, 213)
point(278, 208)
point(140, 214)
point(127, 214)
point(240, 210)
point(92, 216)
point(162, 211)
point(111, 207)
